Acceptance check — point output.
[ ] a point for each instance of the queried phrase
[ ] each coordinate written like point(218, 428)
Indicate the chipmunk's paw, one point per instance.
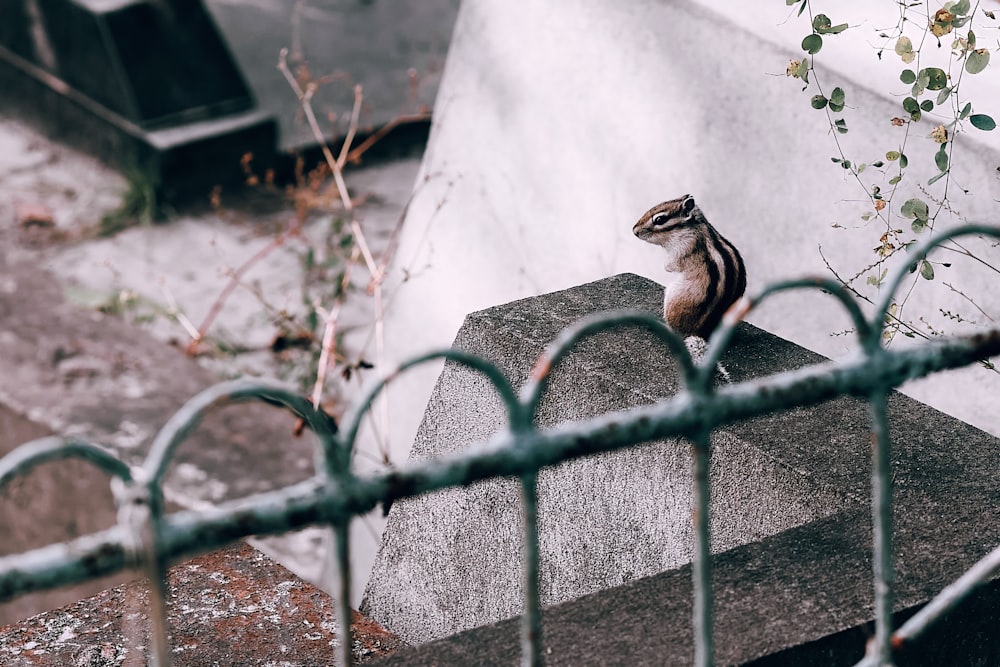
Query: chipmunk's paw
point(697, 346)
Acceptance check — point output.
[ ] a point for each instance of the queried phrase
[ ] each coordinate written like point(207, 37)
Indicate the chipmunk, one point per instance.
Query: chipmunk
point(712, 275)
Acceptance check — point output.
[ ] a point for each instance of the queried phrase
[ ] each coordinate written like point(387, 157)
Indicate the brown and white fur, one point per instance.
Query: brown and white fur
point(711, 274)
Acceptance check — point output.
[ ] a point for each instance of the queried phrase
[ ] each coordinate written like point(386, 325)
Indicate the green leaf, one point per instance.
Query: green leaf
point(910, 105)
point(971, 39)
point(892, 156)
point(959, 8)
point(878, 164)
point(936, 78)
point(914, 208)
point(966, 110)
point(862, 167)
point(977, 61)
point(907, 76)
point(812, 43)
point(923, 78)
point(835, 160)
point(926, 105)
point(789, 3)
point(895, 179)
point(846, 164)
point(818, 101)
point(877, 280)
point(926, 270)
point(823, 25)
point(841, 125)
point(943, 95)
point(803, 71)
point(941, 158)
point(837, 100)
point(903, 161)
point(918, 225)
point(904, 49)
point(981, 121)
point(935, 179)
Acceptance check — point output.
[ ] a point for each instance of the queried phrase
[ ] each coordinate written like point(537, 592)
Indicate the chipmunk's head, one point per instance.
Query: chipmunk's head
point(664, 219)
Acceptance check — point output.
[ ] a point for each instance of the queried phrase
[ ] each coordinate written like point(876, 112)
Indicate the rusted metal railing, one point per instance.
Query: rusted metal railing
point(146, 538)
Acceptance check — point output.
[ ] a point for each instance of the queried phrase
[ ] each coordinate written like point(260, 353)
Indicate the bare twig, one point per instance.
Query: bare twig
point(175, 311)
point(355, 155)
point(969, 299)
point(234, 281)
point(330, 332)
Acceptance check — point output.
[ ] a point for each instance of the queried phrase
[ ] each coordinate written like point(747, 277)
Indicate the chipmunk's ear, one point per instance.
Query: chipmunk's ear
point(688, 204)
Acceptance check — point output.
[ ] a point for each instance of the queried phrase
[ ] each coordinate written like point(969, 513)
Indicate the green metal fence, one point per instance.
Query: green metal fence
point(144, 537)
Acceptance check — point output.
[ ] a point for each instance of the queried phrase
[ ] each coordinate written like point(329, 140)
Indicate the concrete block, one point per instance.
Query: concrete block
point(789, 513)
point(603, 520)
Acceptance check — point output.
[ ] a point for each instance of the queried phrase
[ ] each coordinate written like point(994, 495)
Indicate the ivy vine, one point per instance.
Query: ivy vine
point(932, 92)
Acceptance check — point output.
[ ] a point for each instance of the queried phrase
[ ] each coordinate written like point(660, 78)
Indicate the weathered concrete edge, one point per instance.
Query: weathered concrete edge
point(823, 608)
point(647, 622)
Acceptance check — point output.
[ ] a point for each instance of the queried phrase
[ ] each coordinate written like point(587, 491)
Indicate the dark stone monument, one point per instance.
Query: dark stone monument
point(147, 85)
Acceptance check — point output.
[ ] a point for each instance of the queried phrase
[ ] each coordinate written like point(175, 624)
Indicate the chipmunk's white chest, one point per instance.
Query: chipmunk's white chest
point(679, 249)
point(676, 286)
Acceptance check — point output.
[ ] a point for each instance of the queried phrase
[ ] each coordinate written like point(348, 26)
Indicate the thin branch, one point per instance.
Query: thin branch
point(234, 281)
point(969, 299)
point(329, 333)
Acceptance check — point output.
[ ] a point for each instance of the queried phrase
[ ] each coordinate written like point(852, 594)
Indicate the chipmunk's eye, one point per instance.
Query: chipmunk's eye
point(660, 219)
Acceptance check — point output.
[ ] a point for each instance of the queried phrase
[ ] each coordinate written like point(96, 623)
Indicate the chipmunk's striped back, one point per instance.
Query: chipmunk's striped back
point(712, 275)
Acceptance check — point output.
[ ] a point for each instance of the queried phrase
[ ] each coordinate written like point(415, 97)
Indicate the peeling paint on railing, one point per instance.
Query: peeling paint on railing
point(146, 538)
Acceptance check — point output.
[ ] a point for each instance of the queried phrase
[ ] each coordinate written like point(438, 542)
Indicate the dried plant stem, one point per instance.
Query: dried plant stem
point(355, 155)
point(361, 247)
point(330, 334)
point(234, 281)
point(175, 311)
point(970, 300)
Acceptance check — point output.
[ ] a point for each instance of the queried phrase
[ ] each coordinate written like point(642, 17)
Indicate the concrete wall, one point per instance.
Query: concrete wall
point(558, 124)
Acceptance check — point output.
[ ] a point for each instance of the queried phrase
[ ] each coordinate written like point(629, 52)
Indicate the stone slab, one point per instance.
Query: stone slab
point(84, 373)
point(231, 607)
point(176, 110)
point(790, 509)
point(170, 107)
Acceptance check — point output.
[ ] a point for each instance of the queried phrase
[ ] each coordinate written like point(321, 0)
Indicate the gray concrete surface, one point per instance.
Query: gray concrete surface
point(451, 561)
point(791, 521)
